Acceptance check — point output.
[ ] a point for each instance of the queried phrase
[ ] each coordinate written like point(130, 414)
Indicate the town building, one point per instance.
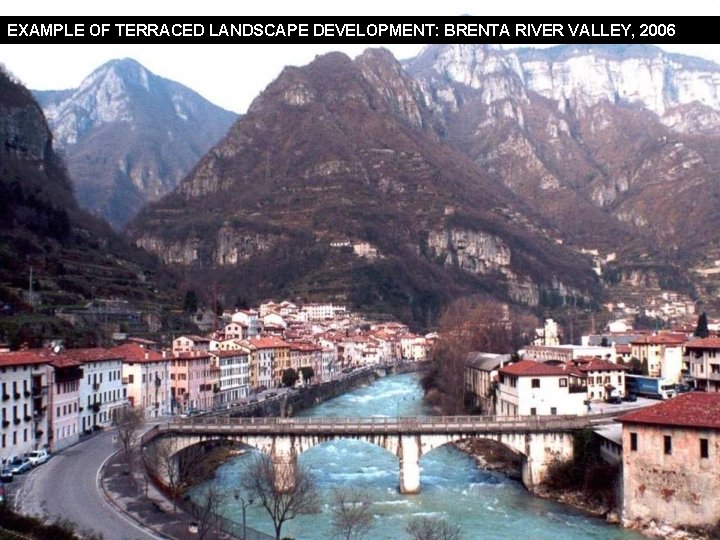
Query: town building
point(63, 418)
point(234, 379)
point(661, 353)
point(566, 353)
point(147, 376)
point(24, 400)
point(671, 458)
point(534, 388)
point(481, 375)
point(605, 379)
point(701, 363)
point(102, 393)
point(190, 343)
point(194, 381)
point(249, 319)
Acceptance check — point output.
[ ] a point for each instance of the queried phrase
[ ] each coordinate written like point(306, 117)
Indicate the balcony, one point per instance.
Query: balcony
point(28, 418)
point(5, 397)
point(96, 387)
point(125, 380)
point(38, 391)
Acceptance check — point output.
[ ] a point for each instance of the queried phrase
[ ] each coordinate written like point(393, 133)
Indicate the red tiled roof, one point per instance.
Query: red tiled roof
point(21, 358)
point(703, 343)
point(268, 342)
point(598, 364)
point(660, 339)
point(623, 349)
point(229, 354)
point(96, 354)
point(135, 353)
point(528, 368)
point(694, 409)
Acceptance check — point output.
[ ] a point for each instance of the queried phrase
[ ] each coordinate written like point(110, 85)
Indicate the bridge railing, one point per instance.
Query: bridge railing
point(427, 424)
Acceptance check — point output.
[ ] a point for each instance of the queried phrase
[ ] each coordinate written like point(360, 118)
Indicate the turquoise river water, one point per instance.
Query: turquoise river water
point(483, 504)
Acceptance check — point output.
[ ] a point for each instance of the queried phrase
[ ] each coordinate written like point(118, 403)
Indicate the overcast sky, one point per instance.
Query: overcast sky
point(232, 75)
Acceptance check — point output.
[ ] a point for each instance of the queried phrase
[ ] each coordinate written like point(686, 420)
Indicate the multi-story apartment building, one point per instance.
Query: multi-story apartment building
point(195, 381)
point(249, 319)
point(268, 354)
point(102, 392)
point(662, 353)
point(234, 380)
point(701, 363)
point(24, 400)
point(64, 410)
point(147, 376)
point(534, 388)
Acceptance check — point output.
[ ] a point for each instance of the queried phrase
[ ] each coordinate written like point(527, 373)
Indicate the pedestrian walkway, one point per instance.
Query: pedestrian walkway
point(140, 500)
point(149, 508)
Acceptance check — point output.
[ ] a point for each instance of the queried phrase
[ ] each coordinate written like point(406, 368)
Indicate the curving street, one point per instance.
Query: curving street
point(66, 487)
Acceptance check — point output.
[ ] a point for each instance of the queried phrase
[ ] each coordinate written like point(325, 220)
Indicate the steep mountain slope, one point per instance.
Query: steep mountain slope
point(616, 146)
point(335, 185)
point(129, 136)
point(72, 255)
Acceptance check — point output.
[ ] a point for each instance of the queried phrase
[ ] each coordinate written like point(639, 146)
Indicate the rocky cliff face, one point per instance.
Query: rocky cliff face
point(617, 147)
point(129, 136)
point(42, 227)
point(350, 150)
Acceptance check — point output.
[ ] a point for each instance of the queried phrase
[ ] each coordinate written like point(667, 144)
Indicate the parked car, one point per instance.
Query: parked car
point(37, 457)
point(630, 397)
point(6, 474)
point(20, 465)
point(614, 400)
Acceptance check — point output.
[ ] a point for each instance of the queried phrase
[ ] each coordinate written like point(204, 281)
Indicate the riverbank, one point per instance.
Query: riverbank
point(291, 403)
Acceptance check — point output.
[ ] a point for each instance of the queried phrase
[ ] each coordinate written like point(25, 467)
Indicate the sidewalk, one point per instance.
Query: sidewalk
point(154, 512)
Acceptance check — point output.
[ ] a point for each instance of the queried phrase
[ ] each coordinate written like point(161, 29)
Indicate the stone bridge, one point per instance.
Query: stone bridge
point(538, 440)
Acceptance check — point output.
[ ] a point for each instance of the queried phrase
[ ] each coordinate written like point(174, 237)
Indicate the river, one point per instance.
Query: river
point(483, 504)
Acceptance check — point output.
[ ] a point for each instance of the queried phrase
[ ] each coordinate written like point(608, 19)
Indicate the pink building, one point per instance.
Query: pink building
point(195, 380)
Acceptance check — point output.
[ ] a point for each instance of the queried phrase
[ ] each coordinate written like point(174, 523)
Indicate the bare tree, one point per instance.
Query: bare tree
point(168, 468)
point(285, 492)
point(432, 528)
point(128, 425)
point(351, 516)
point(471, 324)
point(207, 511)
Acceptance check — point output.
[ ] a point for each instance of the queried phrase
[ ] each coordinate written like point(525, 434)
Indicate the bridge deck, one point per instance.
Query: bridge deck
point(374, 425)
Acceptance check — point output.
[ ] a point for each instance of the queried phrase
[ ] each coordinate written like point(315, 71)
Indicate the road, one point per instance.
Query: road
point(66, 487)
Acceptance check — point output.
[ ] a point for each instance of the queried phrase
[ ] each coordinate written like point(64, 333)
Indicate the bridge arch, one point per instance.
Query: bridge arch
point(538, 441)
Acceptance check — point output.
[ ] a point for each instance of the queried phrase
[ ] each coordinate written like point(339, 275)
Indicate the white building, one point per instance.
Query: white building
point(702, 363)
point(101, 388)
point(534, 388)
point(567, 353)
point(23, 402)
point(249, 319)
point(64, 409)
point(190, 343)
point(234, 374)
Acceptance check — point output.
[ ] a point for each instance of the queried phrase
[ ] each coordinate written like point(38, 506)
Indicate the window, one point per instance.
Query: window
point(667, 442)
point(633, 442)
point(533, 411)
point(553, 410)
point(563, 382)
point(535, 383)
point(131, 379)
point(704, 449)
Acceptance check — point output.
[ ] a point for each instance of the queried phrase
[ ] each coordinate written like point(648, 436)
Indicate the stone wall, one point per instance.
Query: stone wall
point(679, 489)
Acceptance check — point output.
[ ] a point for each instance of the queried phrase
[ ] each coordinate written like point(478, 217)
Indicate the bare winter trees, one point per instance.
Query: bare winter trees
point(351, 515)
point(285, 491)
point(471, 324)
point(432, 528)
point(128, 425)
